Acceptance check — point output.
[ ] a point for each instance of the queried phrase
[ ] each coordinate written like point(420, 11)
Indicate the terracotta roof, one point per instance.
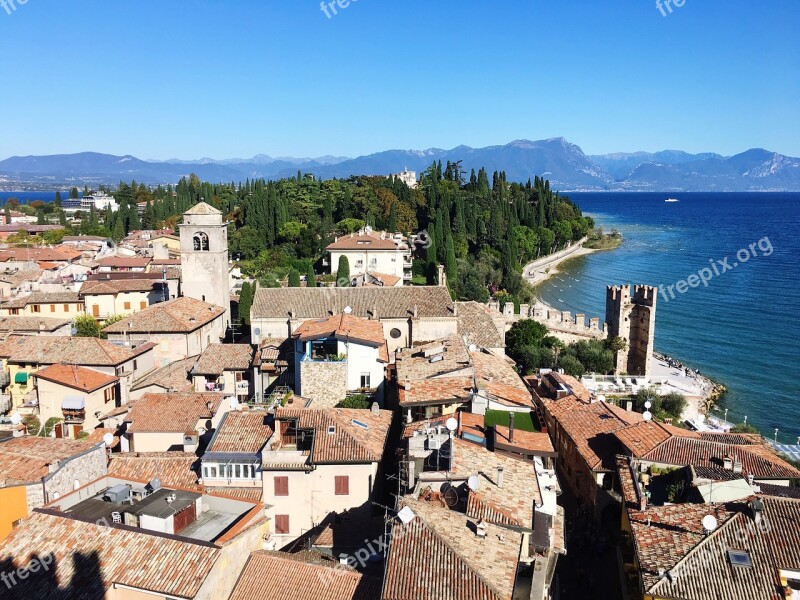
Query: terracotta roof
point(641, 438)
point(26, 459)
point(78, 378)
point(273, 352)
point(174, 377)
point(367, 242)
point(162, 564)
point(476, 321)
point(435, 391)
point(86, 351)
point(412, 364)
point(174, 469)
point(388, 302)
point(97, 435)
point(181, 315)
point(15, 278)
point(125, 261)
point(202, 208)
point(683, 451)
point(496, 375)
point(218, 358)
point(37, 254)
point(245, 431)
point(591, 427)
point(303, 576)
point(177, 412)
point(437, 555)
point(44, 298)
point(14, 323)
point(350, 443)
point(117, 286)
point(344, 327)
point(385, 278)
point(248, 494)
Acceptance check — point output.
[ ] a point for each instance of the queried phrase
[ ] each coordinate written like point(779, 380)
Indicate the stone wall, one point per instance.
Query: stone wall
point(323, 382)
point(632, 318)
point(82, 468)
point(558, 322)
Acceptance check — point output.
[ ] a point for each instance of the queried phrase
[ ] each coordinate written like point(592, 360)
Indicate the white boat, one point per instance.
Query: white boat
point(671, 200)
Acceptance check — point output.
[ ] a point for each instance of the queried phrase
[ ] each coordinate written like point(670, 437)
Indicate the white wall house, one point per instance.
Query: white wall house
point(369, 251)
point(337, 356)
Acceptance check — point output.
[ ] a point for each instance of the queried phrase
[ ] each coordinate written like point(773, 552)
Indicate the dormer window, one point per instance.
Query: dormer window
point(200, 241)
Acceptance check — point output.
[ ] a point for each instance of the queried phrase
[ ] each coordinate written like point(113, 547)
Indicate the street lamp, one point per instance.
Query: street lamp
point(776, 435)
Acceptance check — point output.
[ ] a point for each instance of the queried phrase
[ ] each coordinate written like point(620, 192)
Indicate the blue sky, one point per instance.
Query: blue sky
point(168, 78)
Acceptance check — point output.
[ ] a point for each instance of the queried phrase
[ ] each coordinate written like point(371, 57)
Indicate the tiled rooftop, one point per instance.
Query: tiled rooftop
point(388, 302)
point(174, 377)
point(218, 358)
point(12, 324)
point(86, 351)
point(174, 469)
point(44, 298)
point(130, 262)
point(643, 437)
point(438, 555)
point(302, 576)
point(178, 412)
point(26, 459)
point(78, 378)
point(245, 431)
point(476, 321)
point(350, 443)
point(496, 375)
point(181, 315)
point(367, 241)
point(343, 327)
point(90, 558)
point(117, 286)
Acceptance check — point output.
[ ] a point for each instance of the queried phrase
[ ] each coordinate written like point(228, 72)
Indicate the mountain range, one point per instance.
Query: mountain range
point(563, 163)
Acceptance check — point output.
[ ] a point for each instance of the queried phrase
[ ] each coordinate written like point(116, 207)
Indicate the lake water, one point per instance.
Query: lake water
point(743, 328)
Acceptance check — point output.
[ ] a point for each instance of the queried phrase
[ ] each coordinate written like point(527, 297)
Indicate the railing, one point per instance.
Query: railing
point(408, 276)
point(242, 386)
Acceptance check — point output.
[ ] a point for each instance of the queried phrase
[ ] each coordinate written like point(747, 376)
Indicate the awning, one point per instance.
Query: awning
point(73, 402)
point(21, 377)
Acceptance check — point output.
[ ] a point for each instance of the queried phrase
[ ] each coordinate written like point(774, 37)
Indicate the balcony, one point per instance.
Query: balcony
point(408, 263)
point(213, 386)
point(407, 276)
point(242, 387)
point(74, 415)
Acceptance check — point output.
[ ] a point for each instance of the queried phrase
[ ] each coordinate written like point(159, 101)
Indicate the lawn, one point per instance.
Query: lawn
point(522, 421)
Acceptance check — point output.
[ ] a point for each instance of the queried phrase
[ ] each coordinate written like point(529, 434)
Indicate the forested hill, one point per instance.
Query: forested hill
point(482, 230)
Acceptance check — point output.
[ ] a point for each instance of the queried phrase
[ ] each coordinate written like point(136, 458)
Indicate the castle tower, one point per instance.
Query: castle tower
point(632, 318)
point(204, 257)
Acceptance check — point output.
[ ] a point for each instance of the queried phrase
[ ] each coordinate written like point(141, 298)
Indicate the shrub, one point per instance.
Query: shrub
point(359, 401)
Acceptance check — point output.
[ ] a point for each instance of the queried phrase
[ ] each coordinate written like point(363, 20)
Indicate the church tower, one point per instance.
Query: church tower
point(204, 257)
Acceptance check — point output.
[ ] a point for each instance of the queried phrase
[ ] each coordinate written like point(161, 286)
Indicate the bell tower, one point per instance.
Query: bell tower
point(204, 257)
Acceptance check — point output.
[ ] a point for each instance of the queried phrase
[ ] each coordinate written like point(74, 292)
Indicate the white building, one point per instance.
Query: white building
point(337, 356)
point(321, 461)
point(371, 252)
point(407, 177)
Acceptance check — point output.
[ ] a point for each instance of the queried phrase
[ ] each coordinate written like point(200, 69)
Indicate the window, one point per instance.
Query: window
point(281, 524)
point(237, 471)
point(142, 305)
point(52, 308)
point(135, 365)
point(365, 380)
point(200, 242)
point(342, 485)
point(109, 394)
point(14, 311)
point(395, 333)
point(281, 486)
point(126, 305)
point(66, 308)
point(36, 308)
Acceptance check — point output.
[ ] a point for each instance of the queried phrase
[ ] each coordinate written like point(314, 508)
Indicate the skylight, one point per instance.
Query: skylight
point(740, 558)
point(359, 424)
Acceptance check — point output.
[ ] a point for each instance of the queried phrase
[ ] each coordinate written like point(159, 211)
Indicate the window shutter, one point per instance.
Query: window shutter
point(342, 485)
point(281, 486)
point(282, 524)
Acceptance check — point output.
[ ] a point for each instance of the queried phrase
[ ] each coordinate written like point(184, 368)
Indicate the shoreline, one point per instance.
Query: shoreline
point(711, 391)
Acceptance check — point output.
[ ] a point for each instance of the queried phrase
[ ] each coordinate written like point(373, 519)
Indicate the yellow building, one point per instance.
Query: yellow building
point(13, 507)
point(104, 298)
point(60, 305)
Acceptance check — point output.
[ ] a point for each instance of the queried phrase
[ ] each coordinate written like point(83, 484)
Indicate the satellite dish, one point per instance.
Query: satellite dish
point(16, 419)
point(73, 331)
point(406, 515)
point(451, 497)
point(648, 416)
point(709, 523)
point(257, 331)
point(451, 424)
point(347, 310)
point(233, 402)
point(474, 483)
point(108, 439)
point(601, 398)
point(648, 404)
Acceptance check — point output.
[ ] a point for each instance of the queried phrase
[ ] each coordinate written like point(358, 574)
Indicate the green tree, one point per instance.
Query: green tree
point(311, 277)
point(73, 193)
point(343, 272)
point(525, 332)
point(744, 428)
point(40, 220)
point(7, 213)
point(57, 201)
point(245, 302)
point(86, 326)
point(294, 278)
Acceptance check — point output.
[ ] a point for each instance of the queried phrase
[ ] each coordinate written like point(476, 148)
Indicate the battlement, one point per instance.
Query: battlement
point(618, 293)
point(633, 319)
point(645, 295)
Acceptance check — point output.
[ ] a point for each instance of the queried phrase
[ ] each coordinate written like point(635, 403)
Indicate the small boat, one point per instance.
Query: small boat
point(671, 200)
point(560, 300)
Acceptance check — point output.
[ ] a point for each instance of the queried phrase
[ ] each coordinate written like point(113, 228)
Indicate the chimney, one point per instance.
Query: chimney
point(727, 463)
point(416, 311)
point(500, 477)
point(411, 474)
point(442, 276)
point(343, 558)
point(511, 427)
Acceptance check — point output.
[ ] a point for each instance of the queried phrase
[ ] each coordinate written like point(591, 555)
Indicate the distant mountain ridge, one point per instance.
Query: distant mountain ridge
point(563, 163)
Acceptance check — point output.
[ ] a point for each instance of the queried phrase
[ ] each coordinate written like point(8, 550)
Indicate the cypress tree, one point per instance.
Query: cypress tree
point(311, 277)
point(450, 268)
point(343, 272)
point(294, 278)
point(245, 302)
